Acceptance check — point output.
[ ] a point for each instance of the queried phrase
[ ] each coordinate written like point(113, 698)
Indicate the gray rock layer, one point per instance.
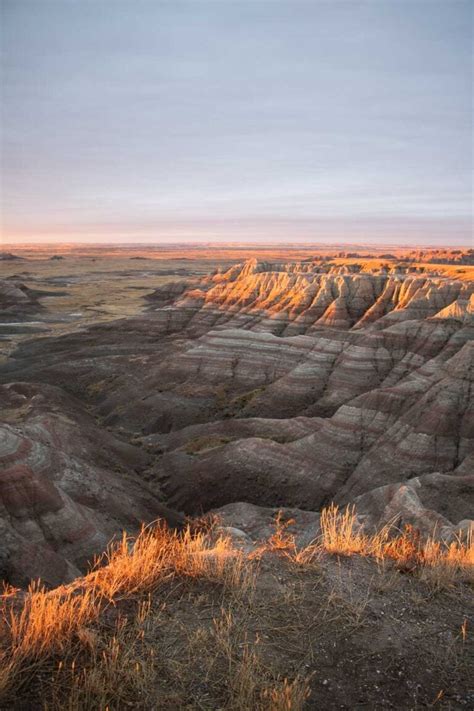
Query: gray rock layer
point(276, 385)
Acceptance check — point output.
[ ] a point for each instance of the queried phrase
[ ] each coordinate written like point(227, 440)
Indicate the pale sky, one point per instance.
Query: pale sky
point(290, 120)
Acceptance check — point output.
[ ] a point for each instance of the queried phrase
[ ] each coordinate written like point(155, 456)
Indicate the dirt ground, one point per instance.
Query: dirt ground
point(346, 632)
point(364, 637)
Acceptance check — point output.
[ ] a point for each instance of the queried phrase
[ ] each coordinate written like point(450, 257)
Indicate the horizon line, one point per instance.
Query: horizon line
point(280, 242)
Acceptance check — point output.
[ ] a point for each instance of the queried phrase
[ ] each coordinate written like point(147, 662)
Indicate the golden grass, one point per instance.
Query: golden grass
point(289, 696)
point(41, 626)
point(137, 565)
point(46, 622)
point(341, 534)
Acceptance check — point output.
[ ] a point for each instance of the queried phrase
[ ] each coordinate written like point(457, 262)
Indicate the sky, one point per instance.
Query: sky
point(260, 120)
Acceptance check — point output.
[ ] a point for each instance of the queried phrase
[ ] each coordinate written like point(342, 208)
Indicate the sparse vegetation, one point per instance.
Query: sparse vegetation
point(241, 401)
point(174, 617)
point(341, 534)
point(202, 444)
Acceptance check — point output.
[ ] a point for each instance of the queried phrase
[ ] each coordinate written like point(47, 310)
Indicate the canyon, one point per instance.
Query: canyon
point(282, 380)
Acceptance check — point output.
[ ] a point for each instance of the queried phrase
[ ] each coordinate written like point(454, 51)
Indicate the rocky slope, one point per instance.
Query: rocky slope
point(66, 487)
point(17, 301)
point(283, 385)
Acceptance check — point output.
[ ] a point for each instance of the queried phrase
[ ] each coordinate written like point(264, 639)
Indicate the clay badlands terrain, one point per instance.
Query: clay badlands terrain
point(236, 393)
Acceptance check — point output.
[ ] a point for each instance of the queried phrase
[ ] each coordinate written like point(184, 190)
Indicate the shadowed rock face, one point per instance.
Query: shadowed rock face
point(17, 302)
point(66, 487)
point(274, 384)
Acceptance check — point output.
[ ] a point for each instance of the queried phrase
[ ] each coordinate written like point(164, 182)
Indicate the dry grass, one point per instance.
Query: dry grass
point(289, 696)
point(138, 565)
point(111, 669)
point(226, 658)
point(58, 635)
point(43, 625)
point(341, 534)
point(49, 623)
point(432, 558)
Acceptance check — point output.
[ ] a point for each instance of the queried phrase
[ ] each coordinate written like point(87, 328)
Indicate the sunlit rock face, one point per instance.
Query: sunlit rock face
point(273, 384)
point(297, 298)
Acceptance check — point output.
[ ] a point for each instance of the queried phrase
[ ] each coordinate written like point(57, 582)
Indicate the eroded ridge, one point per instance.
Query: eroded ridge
point(276, 384)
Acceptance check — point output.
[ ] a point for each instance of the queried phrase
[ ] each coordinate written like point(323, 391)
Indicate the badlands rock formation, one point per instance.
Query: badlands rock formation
point(17, 301)
point(274, 385)
point(66, 487)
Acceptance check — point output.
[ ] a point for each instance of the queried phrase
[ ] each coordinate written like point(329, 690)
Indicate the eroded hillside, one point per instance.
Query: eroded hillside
point(273, 383)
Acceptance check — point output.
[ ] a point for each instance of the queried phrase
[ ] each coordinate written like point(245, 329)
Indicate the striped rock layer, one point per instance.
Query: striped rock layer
point(272, 384)
point(66, 487)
